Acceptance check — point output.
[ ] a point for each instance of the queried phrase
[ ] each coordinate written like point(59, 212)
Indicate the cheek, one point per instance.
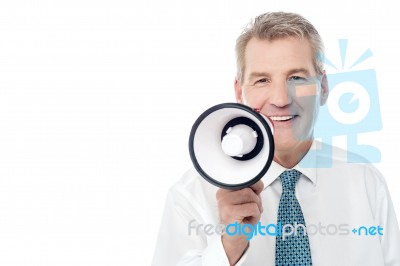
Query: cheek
point(309, 104)
point(309, 110)
point(253, 100)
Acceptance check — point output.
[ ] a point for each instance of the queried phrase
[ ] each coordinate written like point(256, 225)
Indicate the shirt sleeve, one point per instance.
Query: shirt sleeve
point(385, 217)
point(178, 241)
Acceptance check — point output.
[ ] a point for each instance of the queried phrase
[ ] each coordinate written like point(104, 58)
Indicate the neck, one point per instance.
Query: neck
point(290, 158)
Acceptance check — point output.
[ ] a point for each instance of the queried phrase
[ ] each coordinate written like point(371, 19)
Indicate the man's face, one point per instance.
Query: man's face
point(279, 80)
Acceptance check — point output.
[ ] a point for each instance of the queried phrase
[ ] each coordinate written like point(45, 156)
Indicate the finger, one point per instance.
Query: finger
point(222, 192)
point(242, 196)
point(245, 212)
point(258, 187)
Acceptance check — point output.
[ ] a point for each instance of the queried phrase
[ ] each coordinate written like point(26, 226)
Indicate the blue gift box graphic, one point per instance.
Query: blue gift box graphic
point(352, 108)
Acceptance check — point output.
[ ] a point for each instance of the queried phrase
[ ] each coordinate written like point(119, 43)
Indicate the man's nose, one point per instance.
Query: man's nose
point(279, 95)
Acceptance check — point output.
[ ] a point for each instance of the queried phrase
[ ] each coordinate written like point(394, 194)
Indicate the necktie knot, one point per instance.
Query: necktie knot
point(289, 179)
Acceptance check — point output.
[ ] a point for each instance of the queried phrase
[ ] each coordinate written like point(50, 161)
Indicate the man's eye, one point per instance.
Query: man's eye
point(296, 78)
point(261, 81)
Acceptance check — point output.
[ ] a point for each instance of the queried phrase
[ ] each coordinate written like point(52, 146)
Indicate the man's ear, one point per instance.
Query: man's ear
point(324, 89)
point(238, 91)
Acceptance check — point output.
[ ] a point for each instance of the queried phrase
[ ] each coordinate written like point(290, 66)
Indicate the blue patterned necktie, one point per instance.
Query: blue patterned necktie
point(295, 248)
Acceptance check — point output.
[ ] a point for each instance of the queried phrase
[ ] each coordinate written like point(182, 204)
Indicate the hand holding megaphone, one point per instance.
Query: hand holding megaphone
point(242, 206)
point(231, 145)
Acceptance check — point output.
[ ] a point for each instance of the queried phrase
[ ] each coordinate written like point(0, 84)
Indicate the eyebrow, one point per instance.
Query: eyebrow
point(257, 75)
point(298, 70)
point(254, 75)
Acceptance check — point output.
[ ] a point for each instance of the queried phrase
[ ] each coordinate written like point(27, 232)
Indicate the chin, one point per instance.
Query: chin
point(290, 145)
point(285, 146)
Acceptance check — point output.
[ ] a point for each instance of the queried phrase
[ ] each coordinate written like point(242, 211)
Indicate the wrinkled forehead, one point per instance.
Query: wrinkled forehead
point(279, 55)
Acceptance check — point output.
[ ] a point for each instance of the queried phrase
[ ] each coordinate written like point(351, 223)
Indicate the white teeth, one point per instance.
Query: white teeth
point(281, 118)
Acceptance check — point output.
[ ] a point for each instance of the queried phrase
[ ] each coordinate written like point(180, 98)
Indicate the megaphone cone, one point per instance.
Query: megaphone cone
point(231, 145)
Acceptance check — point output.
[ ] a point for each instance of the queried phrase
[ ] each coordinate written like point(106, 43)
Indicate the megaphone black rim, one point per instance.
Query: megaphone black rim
point(209, 178)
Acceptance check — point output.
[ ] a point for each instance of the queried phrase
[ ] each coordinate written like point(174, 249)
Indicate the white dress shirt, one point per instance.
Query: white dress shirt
point(340, 198)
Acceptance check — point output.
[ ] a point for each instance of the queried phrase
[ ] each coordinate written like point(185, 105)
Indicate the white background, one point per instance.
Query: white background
point(97, 99)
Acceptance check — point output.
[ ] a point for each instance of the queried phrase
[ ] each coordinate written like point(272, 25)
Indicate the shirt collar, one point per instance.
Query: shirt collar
point(304, 166)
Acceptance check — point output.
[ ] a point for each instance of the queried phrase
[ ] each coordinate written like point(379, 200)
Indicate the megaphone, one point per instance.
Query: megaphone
point(231, 145)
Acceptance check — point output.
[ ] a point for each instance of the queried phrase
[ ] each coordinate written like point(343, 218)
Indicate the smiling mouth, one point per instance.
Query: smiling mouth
point(282, 118)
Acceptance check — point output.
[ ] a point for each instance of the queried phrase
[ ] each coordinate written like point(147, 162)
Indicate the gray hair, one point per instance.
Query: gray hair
point(276, 25)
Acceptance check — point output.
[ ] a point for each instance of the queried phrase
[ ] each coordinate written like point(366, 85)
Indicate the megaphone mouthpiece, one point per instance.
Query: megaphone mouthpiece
point(239, 140)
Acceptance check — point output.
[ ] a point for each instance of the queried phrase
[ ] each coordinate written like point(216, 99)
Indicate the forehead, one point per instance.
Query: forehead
point(278, 56)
